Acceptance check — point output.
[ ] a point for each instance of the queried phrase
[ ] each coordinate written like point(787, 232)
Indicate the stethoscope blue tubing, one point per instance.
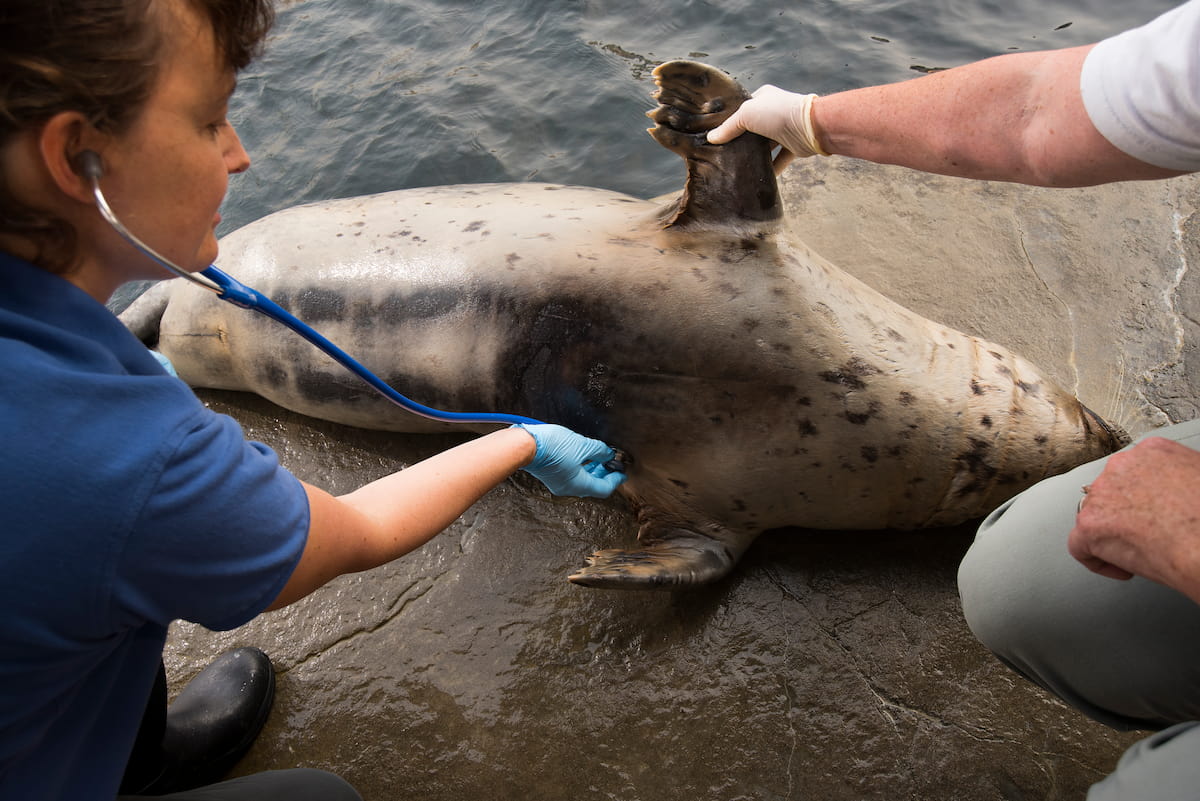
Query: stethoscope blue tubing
point(237, 293)
point(233, 291)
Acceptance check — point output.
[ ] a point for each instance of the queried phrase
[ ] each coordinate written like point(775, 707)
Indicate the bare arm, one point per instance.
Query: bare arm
point(402, 511)
point(1017, 117)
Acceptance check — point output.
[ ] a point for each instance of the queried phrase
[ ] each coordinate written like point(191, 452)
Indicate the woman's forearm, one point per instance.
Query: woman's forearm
point(410, 507)
point(398, 513)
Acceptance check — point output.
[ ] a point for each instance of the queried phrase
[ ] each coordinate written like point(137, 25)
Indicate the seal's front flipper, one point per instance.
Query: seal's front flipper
point(668, 559)
point(726, 184)
point(694, 97)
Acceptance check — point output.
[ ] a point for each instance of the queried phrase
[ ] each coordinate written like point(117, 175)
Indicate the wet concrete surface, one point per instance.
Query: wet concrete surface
point(831, 666)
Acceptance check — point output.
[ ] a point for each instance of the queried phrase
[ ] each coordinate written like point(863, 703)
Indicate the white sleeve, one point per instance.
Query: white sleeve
point(1141, 89)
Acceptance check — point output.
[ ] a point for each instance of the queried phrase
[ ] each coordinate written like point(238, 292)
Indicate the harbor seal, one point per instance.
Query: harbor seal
point(755, 384)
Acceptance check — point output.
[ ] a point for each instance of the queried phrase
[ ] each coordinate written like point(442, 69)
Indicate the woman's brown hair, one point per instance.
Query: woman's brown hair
point(100, 58)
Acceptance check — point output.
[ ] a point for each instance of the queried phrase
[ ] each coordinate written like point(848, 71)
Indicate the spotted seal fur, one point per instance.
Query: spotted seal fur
point(755, 384)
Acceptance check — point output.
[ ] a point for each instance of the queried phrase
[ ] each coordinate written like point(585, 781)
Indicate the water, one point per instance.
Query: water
point(354, 97)
point(361, 96)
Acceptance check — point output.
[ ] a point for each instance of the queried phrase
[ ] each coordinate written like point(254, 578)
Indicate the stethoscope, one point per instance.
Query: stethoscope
point(233, 291)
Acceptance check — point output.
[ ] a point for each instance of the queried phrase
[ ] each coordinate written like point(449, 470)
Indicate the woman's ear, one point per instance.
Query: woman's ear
point(61, 141)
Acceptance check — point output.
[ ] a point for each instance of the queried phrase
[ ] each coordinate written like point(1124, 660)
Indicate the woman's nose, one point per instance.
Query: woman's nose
point(236, 158)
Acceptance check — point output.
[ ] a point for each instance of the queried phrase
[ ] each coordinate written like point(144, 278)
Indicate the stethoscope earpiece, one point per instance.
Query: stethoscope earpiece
point(88, 165)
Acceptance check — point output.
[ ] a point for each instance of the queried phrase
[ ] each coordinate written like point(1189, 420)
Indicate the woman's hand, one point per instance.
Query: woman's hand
point(572, 464)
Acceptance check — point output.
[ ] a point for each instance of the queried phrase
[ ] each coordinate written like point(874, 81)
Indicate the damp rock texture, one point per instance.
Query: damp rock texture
point(832, 666)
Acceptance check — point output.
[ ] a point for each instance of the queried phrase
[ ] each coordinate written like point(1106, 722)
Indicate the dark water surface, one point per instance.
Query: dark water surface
point(362, 96)
point(354, 97)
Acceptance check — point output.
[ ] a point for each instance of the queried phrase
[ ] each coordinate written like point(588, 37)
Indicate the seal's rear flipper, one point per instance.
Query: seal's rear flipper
point(669, 559)
point(144, 315)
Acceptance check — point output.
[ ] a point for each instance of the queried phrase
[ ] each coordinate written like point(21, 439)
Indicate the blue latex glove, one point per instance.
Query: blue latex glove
point(571, 464)
point(165, 362)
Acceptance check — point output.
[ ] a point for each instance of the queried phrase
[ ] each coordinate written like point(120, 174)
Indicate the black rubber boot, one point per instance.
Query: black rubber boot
point(214, 721)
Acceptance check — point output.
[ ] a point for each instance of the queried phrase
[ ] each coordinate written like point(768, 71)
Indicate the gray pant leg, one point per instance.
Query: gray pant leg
point(1162, 767)
point(1126, 653)
point(300, 784)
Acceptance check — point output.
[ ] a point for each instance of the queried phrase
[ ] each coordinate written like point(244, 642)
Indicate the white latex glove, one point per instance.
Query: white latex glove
point(780, 116)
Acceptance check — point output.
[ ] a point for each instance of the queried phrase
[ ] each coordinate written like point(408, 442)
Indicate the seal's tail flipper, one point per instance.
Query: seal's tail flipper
point(726, 184)
point(670, 558)
point(144, 315)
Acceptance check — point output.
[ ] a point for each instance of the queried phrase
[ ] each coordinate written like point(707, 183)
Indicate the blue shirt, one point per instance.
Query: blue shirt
point(125, 504)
